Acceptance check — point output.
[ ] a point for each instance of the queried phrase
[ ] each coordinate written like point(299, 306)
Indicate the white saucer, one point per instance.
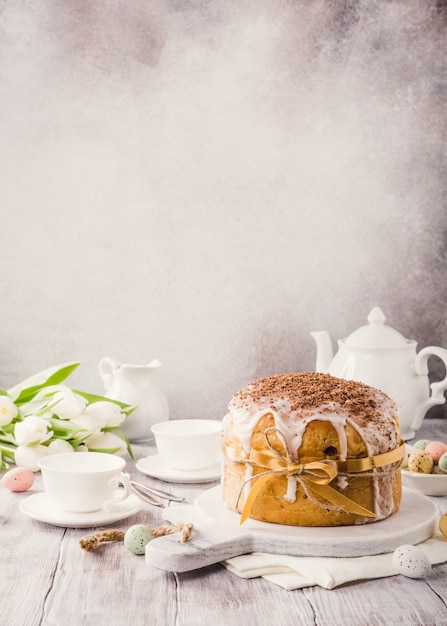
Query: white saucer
point(154, 466)
point(40, 507)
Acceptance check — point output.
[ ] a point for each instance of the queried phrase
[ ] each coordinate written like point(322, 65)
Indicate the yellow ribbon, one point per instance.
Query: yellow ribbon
point(314, 476)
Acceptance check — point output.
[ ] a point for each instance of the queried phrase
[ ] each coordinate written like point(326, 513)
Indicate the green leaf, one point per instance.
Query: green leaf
point(64, 429)
point(3, 392)
point(31, 444)
point(91, 398)
point(7, 457)
point(8, 429)
point(26, 390)
point(78, 440)
point(7, 449)
point(47, 407)
point(127, 442)
point(7, 437)
point(107, 450)
point(38, 407)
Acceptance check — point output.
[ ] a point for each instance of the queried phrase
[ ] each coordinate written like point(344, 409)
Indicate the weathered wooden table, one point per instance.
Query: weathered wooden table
point(46, 579)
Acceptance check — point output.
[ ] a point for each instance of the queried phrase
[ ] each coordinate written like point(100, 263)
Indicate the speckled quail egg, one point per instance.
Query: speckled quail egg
point(411, 561)
point(420, 444)
point(436, 449)
point(18, 479)
point(420, 462)
point(443, 524)
point(442, 463)
point(137, 537)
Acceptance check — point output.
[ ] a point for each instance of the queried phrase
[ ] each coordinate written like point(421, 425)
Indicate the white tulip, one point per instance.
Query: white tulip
point(8, 410)
point(107, 442)
point(108, 413)
point(59, 446)
point(32, 429)
point(47, 392)
point(35, 407)
point(28, 456)
point(88, 423)
point(69, 405)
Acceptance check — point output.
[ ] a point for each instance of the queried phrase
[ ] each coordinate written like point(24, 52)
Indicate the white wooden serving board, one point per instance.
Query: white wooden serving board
point(219, 536)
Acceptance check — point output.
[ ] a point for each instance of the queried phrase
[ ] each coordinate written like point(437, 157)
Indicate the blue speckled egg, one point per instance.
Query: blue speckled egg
point(442, 463)
point(420, 444)
point(137, 537)
point(411, 561)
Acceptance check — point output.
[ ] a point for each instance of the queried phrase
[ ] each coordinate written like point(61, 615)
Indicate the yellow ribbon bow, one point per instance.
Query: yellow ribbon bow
point(314, 477)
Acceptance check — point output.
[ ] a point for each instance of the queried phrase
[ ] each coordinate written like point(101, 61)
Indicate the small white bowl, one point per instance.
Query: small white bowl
point(188, 444)
point(428, 484)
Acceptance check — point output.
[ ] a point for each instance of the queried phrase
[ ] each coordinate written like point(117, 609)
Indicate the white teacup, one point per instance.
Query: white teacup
point(189, 444)
point(81, 482)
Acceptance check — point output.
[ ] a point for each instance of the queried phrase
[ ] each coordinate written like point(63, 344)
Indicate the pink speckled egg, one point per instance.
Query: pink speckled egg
point(18, 479)
point(435, 449)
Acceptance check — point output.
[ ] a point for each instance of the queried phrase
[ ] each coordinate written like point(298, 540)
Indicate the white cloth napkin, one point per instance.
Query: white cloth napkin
point(296, 572)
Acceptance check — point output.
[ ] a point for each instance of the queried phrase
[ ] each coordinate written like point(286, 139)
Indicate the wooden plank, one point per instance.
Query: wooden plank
point(383, 602)
point(214, 596)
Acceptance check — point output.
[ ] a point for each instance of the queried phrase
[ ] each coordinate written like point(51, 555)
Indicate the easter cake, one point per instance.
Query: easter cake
point(309, 449)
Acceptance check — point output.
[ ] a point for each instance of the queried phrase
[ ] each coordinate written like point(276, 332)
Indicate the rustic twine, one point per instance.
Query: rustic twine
point(92, 542)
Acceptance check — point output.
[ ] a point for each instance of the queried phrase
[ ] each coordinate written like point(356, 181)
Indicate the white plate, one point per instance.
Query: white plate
point(412, 523)
point(154, 466)
point(40, 507)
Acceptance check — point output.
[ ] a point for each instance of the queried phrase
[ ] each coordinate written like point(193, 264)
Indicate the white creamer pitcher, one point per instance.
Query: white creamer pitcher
point(136, 385)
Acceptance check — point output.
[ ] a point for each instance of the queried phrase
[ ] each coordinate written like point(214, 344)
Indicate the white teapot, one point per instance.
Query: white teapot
point(136, 384)
point(380, 356)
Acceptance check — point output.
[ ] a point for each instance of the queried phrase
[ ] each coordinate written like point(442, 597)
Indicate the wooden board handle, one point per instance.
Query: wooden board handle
point(206, 547)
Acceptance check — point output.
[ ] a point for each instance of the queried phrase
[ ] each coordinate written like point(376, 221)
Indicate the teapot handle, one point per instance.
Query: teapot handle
point(107, 367)
point(437, 388)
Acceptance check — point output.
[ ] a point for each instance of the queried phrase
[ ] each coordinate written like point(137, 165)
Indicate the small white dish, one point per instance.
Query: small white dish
point(428, 484)
point(40, 507)
point(154, 466)
point(188, 444)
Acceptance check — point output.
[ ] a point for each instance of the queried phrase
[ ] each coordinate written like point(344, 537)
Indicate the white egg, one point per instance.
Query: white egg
point(411, 561)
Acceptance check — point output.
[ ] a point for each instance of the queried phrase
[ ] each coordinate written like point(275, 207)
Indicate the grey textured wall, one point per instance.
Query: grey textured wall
point(206, 182)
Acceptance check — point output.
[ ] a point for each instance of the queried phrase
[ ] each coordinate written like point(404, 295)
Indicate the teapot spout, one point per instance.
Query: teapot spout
point(324, 350)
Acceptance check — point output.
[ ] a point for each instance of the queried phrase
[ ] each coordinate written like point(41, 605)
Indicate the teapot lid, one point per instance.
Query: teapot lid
point(376, 334)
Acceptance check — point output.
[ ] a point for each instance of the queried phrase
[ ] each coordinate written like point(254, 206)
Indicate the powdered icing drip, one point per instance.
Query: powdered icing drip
point(296, 399)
